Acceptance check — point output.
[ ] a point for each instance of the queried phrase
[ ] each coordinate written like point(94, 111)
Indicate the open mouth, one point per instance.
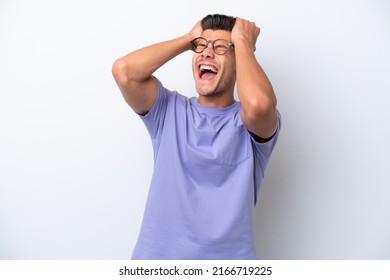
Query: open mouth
point(207, 72)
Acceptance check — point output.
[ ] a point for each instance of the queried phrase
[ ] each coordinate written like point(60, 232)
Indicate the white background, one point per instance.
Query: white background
point(76, 162)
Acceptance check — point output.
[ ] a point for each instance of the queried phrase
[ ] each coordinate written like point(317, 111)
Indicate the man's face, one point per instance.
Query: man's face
point(213, 73)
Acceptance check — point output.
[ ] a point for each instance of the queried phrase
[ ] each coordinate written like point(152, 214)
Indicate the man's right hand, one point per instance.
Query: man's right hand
point(196, 31)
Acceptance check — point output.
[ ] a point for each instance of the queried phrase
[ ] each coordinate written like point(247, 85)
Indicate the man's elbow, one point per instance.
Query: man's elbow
point(261, 118)
point(120, 71)
point(258, 108)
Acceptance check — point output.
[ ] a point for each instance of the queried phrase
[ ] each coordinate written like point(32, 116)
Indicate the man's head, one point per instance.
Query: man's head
point(215, 70)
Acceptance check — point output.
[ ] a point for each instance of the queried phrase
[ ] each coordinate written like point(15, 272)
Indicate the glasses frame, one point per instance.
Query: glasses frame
point(230, 44)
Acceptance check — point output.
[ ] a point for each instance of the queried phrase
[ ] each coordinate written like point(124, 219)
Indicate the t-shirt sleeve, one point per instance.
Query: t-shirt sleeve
point(154, 119)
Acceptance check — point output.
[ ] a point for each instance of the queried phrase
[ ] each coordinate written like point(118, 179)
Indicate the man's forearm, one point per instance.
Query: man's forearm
point(142, 63)
point(253, 84)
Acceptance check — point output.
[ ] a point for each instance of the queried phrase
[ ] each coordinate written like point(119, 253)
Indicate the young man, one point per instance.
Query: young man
point(210, 152)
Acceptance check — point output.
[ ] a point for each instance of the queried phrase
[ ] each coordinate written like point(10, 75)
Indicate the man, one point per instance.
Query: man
point(210, 152)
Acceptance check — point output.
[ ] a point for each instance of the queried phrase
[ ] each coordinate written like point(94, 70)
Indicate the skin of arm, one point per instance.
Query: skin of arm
point(134, 72)
point(255, 91)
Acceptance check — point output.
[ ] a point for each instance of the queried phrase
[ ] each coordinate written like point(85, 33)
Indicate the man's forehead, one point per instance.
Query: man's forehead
point(210, 34)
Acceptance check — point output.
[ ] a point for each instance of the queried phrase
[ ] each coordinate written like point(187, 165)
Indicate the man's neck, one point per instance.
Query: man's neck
point(215, 101)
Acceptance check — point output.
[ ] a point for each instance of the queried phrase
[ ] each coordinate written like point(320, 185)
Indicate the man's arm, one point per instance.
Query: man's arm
point(255, 91)
point(133, 72)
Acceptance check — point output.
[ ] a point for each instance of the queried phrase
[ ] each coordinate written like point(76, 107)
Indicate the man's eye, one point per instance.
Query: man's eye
point(220, 47)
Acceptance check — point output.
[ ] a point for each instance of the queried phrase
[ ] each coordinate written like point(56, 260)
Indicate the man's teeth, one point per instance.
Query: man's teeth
point(208, 68)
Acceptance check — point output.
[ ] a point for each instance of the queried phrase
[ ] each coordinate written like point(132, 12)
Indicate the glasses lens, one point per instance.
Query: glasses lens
point(199, 44)
point(220, 46)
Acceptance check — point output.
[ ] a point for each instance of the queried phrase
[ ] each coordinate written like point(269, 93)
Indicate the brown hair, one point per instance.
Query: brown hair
point(218, 22)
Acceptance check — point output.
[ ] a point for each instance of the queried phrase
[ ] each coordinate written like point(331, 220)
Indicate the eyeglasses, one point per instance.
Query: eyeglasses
point(220, 46)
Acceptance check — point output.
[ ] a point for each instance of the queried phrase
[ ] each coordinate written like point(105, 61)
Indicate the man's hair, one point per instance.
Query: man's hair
point(218, 22)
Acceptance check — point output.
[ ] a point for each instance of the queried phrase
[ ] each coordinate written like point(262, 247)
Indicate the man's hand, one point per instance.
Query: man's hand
point(196, 31)
point(245, 32)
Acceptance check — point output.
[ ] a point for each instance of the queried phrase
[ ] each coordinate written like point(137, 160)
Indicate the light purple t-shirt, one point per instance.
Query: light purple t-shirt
point(207, 174)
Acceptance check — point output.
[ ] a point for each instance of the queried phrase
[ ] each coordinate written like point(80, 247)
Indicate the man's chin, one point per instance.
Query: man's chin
point(204, 90)
point(205, 93)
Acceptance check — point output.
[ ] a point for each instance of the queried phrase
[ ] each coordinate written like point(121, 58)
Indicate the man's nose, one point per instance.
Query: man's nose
point(208, 51)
